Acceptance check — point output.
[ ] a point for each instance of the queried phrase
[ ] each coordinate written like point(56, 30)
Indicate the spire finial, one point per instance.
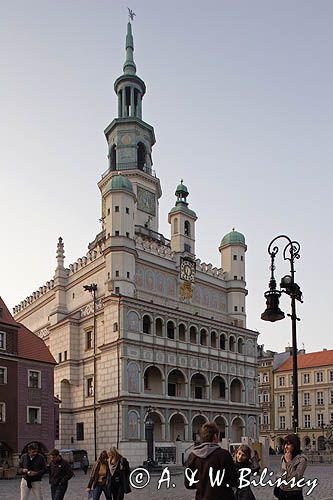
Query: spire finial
point(129, 67)
point(60, 253)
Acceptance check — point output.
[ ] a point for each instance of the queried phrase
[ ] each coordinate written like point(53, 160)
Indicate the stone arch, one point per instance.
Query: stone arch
point(321, 443)
point(175, 225)
point(177, 424)
point(222, 424)
point(197, 423)
point(218, 387)
point(41, 447)
point(213, 339)
point(236, 389)
point(153, 380)
point(306, 443)
point(65, 393)
point(237, 429)
point(141, 155)
point(199, 386)
point(193, 334)
point(159, 421)
point(203, 337)
point(146, 323)
point(113, 157)
point(159, 327)
point(187, 228)
point(171, 328)
point(182, 332)
point(176, 383)
point(240, 345)
point(222, 341)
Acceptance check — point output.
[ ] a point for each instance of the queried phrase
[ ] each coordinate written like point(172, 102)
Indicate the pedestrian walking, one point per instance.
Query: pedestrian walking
point(118, 475)
point(60, 472)
point(293, 465)
point(98, 477)
point(242, 461)
point(32, 466)
point(84, 464)
point(209, 455)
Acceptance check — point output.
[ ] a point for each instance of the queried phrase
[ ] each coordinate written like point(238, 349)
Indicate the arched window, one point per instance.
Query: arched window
point(232, 344)
point(203, 337)
point(175, 226)
point(141, 155)
point(159, 327)
point(187, 228)
point(181, 332)
point(170, 330)
point(240, 346)
point(222, 341)
point(213, 339)
point(193, 335)
point(113, 158)
point(146, 324)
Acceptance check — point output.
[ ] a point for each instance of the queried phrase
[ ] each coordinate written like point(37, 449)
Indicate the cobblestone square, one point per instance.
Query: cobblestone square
point(9, 489)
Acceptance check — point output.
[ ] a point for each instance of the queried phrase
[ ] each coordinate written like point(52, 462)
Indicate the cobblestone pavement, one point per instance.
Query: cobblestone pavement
point(9, 489)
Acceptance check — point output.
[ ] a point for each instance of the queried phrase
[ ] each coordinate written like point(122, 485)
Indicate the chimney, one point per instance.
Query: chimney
point(288, 349)
point(324, 349)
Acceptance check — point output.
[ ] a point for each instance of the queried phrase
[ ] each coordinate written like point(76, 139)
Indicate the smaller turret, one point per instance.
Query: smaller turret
point(59, 310)
point(182, 221)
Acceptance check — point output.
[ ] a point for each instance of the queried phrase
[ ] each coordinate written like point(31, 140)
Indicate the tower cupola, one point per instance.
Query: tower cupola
point(182, 220)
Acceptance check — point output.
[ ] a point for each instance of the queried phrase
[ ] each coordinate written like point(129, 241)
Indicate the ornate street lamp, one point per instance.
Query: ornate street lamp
point(92, 288)
point(149, 427)
point(273, 311)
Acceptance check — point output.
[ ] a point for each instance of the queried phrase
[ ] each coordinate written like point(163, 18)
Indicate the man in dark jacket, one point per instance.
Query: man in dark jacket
point(60, 473)
point(215, 470)
point(32, 465)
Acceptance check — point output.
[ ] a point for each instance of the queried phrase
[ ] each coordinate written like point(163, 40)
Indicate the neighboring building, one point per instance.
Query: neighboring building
point(27, 409)
point(315, 389)
point(170, 330)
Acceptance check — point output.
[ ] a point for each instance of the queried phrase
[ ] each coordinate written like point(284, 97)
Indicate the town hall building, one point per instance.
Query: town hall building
point(155, 331)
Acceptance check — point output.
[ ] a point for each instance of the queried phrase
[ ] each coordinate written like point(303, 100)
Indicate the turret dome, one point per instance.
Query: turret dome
point(233, 238)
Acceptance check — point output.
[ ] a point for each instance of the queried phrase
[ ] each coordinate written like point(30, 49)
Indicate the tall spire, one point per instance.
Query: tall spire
point(129, 67)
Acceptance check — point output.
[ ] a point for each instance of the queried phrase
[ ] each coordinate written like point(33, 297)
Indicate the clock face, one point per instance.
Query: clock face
point(146, 201)
point(187, 270)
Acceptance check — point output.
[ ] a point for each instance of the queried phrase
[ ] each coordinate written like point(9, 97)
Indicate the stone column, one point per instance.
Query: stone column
point(119, 104)
point(124, 101)
point(139, 112)
point(132, 102)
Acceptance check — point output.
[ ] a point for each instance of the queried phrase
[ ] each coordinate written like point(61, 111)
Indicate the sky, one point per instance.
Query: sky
point(240, 96)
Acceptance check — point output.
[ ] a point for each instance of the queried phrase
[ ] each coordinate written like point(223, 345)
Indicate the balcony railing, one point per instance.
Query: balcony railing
point(129, 166)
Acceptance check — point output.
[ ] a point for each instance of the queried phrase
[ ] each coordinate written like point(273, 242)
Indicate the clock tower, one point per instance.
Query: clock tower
point(130, 142)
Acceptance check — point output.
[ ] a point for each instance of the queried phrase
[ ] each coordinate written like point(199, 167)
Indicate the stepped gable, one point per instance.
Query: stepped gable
point(310, 360)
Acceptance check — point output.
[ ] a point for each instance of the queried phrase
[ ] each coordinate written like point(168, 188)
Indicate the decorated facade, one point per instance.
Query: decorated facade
point(162, 332)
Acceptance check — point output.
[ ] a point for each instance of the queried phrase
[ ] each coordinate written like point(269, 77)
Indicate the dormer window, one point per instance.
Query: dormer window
point(2, 340)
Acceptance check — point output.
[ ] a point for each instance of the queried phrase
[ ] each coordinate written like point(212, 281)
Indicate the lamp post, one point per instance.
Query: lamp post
point(149, 427)
point(273, 312)
point(92, 288)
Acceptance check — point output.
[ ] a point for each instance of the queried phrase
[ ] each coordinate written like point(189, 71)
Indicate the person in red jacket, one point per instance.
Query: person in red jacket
point(216, 474)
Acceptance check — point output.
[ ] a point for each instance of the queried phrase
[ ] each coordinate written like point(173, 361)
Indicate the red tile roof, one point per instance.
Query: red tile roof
point(29, 346)
point(311, 360)
point(5, 316)
point(32, 347)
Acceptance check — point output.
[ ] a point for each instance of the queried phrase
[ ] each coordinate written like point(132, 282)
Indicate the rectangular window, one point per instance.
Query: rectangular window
point(306, 399)
point(59, 357)
point(127, 235)
point(80, 431)
point(116, 208)
point(291, 380)
point(266, 419)
point(2, 340)
point(34, 379)
point(90, 387)
point(281, 381)
point(117, 274)
point(127, 210)
point(171, 389)
point(117, 290)
point(3, 375)
point(2, 412)
point(108, 211)
point(235, 277)
point(282, 401)
point(88, 340)
point(282, 422)
point(65, 356)
point(265, 377)
point(235, 308)
point(320, 398)
point(128, 275)
point(187, 247)
point(331, 397)
point(307, 421)
point(33, 415)
point(320, 420)
point(116, 233)
point(331, 376)
point(319, 376)
point(265, 397)
point(306, 378)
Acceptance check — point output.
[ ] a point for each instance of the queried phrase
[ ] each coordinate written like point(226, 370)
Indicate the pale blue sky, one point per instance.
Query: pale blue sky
point(240, 95)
